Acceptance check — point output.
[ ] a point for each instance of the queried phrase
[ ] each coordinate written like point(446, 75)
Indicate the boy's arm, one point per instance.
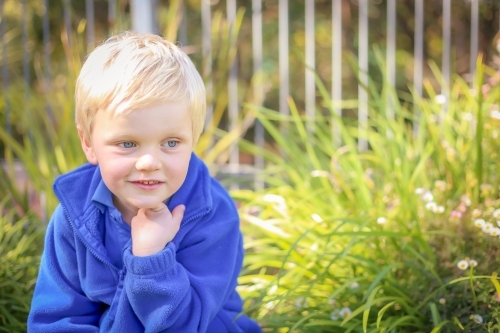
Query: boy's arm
point(183, 291)
point(58, 303)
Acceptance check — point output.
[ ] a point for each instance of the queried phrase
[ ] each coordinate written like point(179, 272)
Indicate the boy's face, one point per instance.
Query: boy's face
point(143, 155)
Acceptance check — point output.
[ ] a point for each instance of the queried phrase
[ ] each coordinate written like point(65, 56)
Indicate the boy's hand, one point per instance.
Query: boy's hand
point(153, 228)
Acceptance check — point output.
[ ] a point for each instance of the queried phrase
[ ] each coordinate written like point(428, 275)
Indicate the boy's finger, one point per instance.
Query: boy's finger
point(178, 213)
point(161, 206)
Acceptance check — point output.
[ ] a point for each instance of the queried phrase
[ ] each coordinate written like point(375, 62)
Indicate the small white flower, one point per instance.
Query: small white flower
point(495, 114)
point(301, 302)
point(332, 301)
point(442, 301)
point(496, 214)
point(485, 188)
point(440, 185)
point(381, 220)
point(498, 223)
point(419, 191)
point(472, 263)
point(440, 99)
point(439, 210)
point(335, 315)
point(487, 227)
point(495, 232)
point(463, 265)
point(427, 196)
point(345, 312)
point(477, 319)
point(479, 223)
point(354, 285)
point(317, 218)
point(468, 116)
point(431, 206)
point(466, 200)
point(320, 173)
point(476, 213)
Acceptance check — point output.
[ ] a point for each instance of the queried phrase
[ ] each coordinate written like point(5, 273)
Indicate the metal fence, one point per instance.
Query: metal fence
point(142, 18)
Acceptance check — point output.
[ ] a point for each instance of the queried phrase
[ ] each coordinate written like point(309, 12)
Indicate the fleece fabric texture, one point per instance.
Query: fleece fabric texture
point(187, 287)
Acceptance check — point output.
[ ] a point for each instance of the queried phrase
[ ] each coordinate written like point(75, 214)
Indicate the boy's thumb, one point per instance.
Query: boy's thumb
point(178, 213)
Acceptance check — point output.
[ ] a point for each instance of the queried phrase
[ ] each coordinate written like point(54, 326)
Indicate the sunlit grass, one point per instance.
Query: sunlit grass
point(343, 240)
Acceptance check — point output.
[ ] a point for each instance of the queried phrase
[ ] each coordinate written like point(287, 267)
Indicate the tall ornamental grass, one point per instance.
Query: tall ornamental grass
point(402, 237)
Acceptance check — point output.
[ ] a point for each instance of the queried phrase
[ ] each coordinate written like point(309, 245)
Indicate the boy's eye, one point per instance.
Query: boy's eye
point(172, 143)
point(127, 144)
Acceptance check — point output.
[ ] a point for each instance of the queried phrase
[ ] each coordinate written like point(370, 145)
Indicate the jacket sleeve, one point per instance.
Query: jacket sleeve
point(184, 290)
point(58, 303)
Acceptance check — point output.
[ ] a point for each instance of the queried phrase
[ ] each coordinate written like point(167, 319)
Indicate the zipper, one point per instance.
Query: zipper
point(87, 245)
point(195, 217)
point(118, 294)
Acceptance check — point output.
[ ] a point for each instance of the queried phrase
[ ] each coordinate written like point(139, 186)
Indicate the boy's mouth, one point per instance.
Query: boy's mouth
point(147, 182)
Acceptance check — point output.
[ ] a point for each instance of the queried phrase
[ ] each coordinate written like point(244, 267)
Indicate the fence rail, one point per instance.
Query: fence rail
point(143, 17)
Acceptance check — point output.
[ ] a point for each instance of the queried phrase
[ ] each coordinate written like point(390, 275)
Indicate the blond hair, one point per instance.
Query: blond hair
point(131, 71)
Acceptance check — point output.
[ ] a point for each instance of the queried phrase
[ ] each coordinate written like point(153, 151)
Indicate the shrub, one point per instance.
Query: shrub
point(22, 241)
point(343, 240)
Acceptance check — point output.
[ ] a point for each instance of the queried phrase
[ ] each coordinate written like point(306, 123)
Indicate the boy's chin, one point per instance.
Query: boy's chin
point(147, 205)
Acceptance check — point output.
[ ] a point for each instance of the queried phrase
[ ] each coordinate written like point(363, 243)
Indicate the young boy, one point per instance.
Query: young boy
point(144, 239)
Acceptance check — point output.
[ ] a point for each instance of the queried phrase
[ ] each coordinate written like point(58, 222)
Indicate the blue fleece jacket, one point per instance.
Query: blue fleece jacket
point(187, 287)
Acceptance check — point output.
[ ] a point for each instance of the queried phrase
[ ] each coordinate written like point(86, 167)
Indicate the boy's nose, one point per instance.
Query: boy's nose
point(147, 162)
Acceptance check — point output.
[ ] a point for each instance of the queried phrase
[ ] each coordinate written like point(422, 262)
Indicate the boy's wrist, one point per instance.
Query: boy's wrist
point(152, 264)
point(143, 251)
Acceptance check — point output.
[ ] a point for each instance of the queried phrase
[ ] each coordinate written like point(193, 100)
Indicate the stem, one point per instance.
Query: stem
point(474, 298)
point(479, 130)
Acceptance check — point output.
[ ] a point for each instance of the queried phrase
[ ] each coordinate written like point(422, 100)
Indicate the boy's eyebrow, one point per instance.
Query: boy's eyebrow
point(115, 136)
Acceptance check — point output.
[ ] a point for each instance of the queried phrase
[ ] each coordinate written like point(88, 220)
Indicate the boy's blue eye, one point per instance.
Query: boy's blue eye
point(171, 143)
point(127, 144)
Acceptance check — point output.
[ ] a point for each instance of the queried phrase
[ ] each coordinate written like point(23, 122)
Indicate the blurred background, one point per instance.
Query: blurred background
point(359, 139)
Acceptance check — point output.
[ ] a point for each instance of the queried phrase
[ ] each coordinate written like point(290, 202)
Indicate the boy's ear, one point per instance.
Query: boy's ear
point(88, 150)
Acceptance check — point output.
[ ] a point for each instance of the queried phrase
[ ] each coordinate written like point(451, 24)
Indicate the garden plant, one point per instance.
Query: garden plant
point(401, 237)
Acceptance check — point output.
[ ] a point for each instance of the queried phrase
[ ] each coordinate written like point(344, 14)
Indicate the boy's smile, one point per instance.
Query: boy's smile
point(143, 155)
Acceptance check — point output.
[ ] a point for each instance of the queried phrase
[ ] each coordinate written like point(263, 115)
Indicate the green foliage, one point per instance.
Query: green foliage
point(343, 240)
point(21, 239)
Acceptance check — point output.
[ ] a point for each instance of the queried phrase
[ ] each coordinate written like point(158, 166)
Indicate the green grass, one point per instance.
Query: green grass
point(313, 234)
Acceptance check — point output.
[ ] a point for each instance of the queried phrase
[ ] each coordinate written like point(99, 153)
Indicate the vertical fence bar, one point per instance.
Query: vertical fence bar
point(111, 15)
point(419, 59)
point(206, 49)
point(445, 85)
point(474, 39)
point(46, 45)
point(143, 15)
point(337, 68)
point(89, 27)
point(391, 56)
point(232, 88)
point(26, 53)
point(5, 73)
point(183, 25)
point(363, 73)
point(284, 65)
point(258, 91)
point(310, 66)
point(46, 59)
point(67, 19)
